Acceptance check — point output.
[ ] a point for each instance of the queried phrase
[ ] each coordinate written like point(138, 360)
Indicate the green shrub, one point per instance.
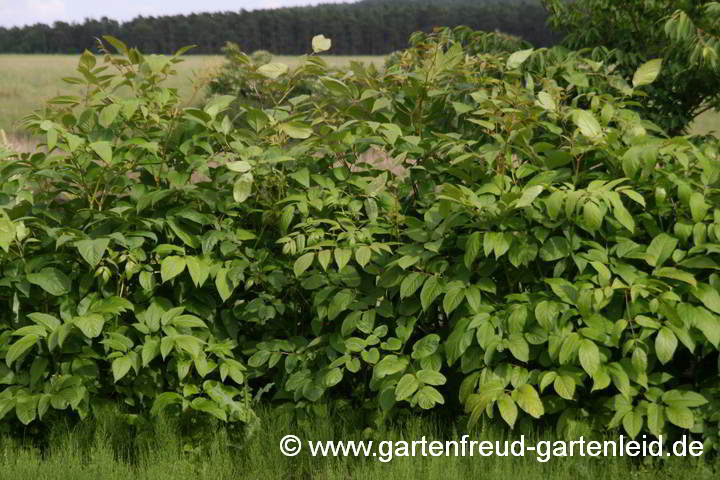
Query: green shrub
point(549, 254)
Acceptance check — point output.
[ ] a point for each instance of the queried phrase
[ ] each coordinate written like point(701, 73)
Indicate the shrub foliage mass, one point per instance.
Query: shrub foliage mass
point(496, 233)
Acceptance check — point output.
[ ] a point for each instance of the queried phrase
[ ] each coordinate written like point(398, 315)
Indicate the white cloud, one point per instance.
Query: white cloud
point(31, 11)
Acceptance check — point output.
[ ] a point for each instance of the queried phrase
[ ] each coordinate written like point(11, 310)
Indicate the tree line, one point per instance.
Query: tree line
point(368, 27)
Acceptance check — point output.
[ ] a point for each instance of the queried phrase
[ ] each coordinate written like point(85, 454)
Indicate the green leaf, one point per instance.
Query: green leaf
point(7, 231)
point(243, 187)
point(26, 409)
point(660, 249)
point(619, 378)
point(453, 298)
point(90, 325)
point(199, 268)
point(103, 150)
point(528, 400)
point(208, 406)
point(676, 274)
point(363, 255)
point(389, 365)
point(241, 166)
point(320, 43)
point(432, 288)
point(698, 207)
point(108, 114)
point(588, 124)
point(647, 73)
point(406, 387)
point(708, 296)
point(411, 283)
point(632, 423)
point(547, 101)
point(273, 70)
point(297, 130)
point(190, 344)
point(589, 355)
point(431, 377)
point(120, 367)
point(50, 322)
point(342, 257)
point(518, 58)
point(519, 347)
point(459, 340)
point(20, 347)
point(333, 377)
point(303, 263)
point(92, 250)
point(474, 297)
point(655, 418)
point(680, 416)
point(497, 242)
point(522, 253)
point(564, 386)
point(683, 398)
point(340, 302)
point(554, 249)
point(472, 248)
point(508, 409)
point(427, 397)
point(477, 403)
point(355, 344)
point(426, 346)
point(259, 358)
point(302, 176)
point(665, 344)
point(223, 284)
point(51, 280)
point(623, 216)
point(529, 195)
point(171, 267)
point(707, 323)
point(150, 350)
point(592, 215)
point(324, 257)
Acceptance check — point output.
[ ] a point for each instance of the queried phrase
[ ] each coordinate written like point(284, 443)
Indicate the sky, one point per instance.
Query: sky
point(27, 12)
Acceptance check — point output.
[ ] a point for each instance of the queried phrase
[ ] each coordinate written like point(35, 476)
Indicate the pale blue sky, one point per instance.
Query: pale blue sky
point(24, 12)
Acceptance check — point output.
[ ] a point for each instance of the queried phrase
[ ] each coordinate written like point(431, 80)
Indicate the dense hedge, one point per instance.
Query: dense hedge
point(543, 253)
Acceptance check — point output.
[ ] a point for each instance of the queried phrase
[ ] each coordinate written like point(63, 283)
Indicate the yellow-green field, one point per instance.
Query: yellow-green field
point(27, 81)
point(708, 122)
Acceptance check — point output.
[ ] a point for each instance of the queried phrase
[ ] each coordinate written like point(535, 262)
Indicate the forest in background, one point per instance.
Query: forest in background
point(367, 27)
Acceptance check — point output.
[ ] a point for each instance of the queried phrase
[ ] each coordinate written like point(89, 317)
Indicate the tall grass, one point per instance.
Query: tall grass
point(110, 449)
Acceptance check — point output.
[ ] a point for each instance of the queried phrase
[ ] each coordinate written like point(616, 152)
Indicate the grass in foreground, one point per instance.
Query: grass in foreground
point(110, 451)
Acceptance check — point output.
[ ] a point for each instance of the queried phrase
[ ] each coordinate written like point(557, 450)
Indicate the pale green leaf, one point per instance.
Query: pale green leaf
point(647, 73)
